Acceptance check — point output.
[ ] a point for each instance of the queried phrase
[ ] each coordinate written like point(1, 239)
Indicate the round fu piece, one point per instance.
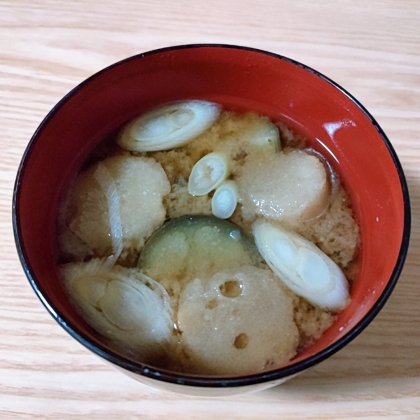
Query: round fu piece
point(236, 323)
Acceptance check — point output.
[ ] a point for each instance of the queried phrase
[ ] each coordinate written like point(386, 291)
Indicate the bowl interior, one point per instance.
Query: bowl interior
point(239, 79)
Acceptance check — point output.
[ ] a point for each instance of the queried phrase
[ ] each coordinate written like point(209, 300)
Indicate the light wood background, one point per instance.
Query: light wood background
point(371, 48)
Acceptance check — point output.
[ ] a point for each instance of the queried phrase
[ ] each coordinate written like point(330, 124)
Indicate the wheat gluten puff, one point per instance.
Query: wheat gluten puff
point(284, 186)
point(141, 185)
point(237, 323)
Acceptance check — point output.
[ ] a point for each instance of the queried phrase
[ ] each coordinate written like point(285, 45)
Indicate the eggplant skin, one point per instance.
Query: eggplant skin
point(191, 246)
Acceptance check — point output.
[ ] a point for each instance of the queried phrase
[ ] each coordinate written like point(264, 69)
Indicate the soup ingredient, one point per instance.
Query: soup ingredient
point(332, 174)
point(302, 266)
point(287, 187)
point(70, 245)
point(265, 134)
point(133, 186)
point(236, 322)
point(106, 182)
point(224, 200)
point(208, 173)
point(202, 272)
point(195, 246)
point(169, 126)
point(121, 304)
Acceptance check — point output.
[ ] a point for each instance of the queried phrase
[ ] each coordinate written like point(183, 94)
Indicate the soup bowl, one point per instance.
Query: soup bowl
point(240, 79)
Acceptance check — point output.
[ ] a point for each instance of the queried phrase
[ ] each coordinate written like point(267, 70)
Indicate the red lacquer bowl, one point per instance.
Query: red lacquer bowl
point(241, 79)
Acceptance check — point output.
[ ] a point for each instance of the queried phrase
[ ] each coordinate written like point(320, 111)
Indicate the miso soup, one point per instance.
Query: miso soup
point(206, 241)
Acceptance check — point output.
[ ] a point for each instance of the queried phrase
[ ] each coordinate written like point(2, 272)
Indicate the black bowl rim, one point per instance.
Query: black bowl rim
point(200, 381)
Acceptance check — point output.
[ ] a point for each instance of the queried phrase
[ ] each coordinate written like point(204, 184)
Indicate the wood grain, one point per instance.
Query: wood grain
point(47, 47)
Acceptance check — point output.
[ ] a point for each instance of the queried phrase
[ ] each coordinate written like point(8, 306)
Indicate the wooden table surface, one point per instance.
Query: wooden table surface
point(371, 48)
